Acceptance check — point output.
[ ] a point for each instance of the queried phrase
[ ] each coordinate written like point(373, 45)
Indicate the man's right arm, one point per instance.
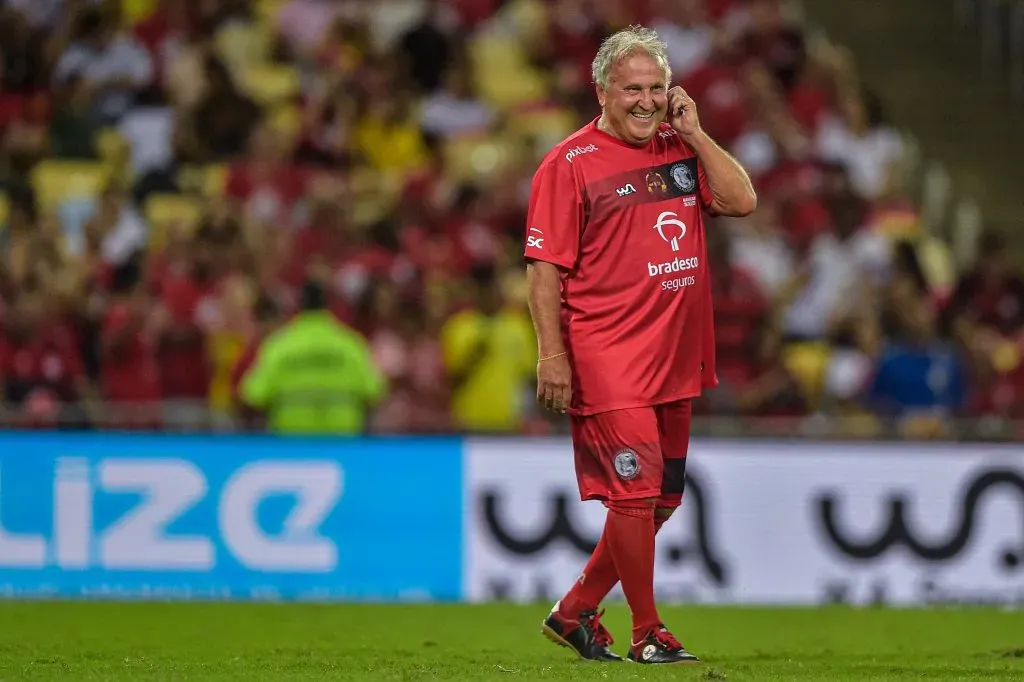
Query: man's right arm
point(553, 230)
point(545, 300)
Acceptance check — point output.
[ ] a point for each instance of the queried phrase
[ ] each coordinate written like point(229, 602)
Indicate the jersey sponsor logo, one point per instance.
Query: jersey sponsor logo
point(673, 266)
point(535, 241)
point(626, 191)
point(656, 183)
point(682, 177)
point(579, 151)
point(668, 225)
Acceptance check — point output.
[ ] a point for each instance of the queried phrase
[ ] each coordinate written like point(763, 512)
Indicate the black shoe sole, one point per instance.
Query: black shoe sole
point(689, 661)
point(550, 633)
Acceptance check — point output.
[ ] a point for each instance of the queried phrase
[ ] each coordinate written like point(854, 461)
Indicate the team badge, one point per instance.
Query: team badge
point(627, 466)
point(682, 176)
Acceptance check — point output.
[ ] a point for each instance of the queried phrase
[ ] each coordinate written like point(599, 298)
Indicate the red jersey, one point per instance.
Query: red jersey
point(625, 225)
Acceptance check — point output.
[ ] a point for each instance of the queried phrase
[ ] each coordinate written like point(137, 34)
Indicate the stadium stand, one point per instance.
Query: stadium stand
point(173, 170)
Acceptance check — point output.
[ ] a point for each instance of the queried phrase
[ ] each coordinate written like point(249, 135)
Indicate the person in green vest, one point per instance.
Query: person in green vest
point(314, 375)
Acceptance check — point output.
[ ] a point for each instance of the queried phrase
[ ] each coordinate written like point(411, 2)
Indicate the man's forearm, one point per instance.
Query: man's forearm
point(545, 299)
point(733, 192)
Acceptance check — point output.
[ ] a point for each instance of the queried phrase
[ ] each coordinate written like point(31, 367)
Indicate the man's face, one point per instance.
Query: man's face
point(636, 99)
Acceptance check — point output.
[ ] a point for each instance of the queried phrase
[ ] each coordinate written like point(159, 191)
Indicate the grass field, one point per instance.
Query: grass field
point(147, 641)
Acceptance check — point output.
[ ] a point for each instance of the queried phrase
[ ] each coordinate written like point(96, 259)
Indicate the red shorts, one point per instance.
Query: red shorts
point(633, 454)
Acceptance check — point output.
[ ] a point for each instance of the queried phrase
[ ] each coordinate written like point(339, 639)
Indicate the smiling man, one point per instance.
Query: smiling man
point(621, 304)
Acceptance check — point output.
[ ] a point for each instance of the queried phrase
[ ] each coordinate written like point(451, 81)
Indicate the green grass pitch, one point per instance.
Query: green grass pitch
point(158, 641)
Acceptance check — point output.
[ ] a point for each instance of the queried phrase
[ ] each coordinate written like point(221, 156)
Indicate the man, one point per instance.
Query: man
point(621, 303)
point(489, 352)
point(314, 375)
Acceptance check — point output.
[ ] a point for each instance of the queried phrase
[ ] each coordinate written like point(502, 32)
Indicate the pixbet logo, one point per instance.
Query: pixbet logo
point(578, 151)
point(138, 539)
point(668, 223)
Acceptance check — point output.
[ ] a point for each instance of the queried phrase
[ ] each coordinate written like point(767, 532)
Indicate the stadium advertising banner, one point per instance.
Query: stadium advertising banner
point(766, 522)
point(123, 516)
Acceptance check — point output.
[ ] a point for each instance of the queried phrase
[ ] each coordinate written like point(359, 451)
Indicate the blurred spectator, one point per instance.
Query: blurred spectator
point(986, 312)
point(222, 121)
point(428, 48)
point(454, 108)
point(490, 354)
point(130, 374)
point(857, 137)
point(41, 370)
point(684, 27)
point(314, 374)
point(920, 376)
point(111, 65)
point(265, 319)
point(848, 258)
point(73, 127)
point(406, 347)
point(268, 186)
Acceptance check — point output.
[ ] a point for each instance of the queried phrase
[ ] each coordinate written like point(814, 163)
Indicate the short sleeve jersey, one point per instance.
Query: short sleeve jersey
point(624, 224)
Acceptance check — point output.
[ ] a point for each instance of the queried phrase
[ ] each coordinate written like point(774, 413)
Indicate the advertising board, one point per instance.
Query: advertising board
point(134, 516)
point(766, 522)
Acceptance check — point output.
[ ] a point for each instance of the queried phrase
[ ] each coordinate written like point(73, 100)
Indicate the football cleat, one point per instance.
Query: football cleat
point(588, 637)
point(659, 646)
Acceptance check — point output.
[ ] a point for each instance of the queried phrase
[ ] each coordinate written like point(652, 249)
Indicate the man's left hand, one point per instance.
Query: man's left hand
point(682, 113)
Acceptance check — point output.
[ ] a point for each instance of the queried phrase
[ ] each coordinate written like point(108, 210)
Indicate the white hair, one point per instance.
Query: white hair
point(626, 43)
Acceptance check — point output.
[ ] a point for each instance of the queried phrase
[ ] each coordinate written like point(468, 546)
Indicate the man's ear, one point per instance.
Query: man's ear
point(602, 95)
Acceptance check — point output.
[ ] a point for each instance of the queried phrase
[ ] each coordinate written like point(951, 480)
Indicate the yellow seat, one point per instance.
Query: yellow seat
point(266, 10)
point(504, 77)
point(240, 43)
point(164, 211)
point(937, 263)
point(113, 147)
point(286, 120)
point(134, 11)
point(548, 125)
point(807, 361)
point(270, 84)
point(56, 181)
point(5, 210)
point(478, 159)
point(207, 181)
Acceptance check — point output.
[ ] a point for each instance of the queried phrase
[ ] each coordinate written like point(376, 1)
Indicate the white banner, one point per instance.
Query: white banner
point(766, 522)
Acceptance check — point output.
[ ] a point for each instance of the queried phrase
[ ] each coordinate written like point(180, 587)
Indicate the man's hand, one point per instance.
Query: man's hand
point(682, 113)
point(554, 383)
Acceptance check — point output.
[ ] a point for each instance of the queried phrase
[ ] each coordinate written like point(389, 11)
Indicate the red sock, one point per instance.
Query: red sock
point(597, 580)
point(630, 532)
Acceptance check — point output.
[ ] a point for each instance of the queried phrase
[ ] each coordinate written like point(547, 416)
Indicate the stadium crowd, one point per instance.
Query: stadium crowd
point(175, 170)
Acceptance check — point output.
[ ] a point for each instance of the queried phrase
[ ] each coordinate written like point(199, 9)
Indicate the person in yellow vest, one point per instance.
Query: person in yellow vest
point(490, 353)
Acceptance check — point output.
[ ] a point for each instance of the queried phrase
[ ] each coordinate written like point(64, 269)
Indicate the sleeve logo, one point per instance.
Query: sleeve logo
point(535, 241)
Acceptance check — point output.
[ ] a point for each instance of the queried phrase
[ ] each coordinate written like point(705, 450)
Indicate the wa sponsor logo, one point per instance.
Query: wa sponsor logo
point(626, 191)
point(579, 151)
point(937, 556)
